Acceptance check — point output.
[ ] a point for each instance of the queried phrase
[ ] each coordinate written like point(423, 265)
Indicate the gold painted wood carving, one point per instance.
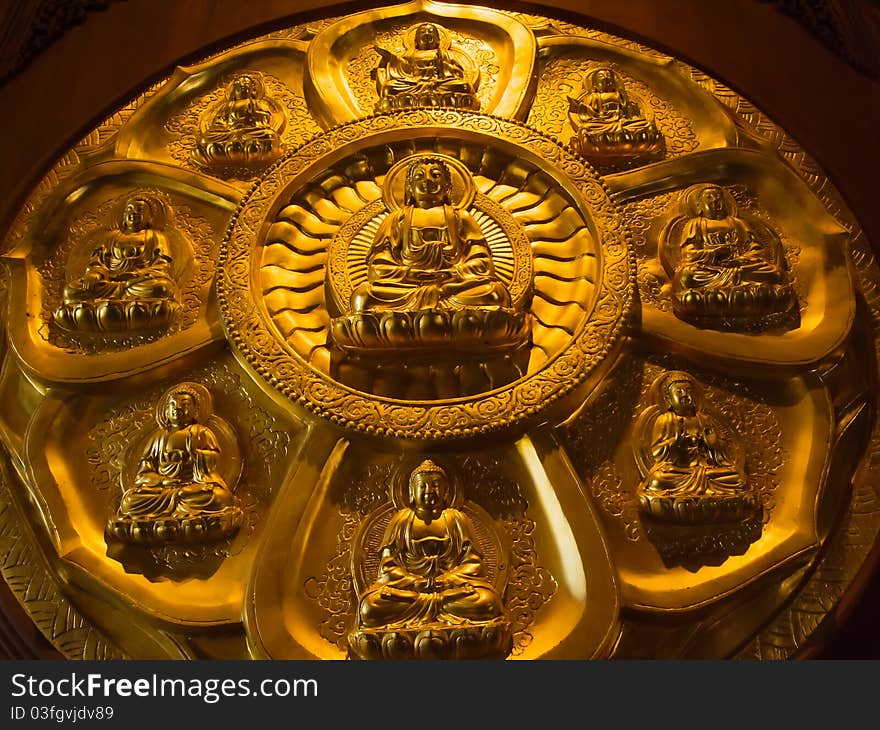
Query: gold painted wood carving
point(612, 130)
point(179, 492)
point(430, 72)
point(437, 331)
point(127, 283)
point(431, 598)
point(243, 129)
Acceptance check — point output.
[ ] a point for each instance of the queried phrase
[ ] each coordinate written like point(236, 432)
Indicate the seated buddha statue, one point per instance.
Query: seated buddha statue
point(244, 129)
point(430, 276)
point(612, 130)
point(723, 273)
point(178, 493)
point(128, 283)
point(692, 476)
point(430, 597)
point(430, 72)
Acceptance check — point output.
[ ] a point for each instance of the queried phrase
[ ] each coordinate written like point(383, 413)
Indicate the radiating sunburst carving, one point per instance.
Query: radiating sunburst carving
point(541, 243)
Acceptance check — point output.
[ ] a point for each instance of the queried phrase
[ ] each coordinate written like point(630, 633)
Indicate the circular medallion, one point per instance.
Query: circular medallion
point(400, 290)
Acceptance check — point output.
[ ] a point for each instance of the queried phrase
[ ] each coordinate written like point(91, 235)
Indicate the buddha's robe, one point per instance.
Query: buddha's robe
point(719, 253)
point(434, 258)
point(129, 266)
point(428, 573)
point(241, 126)
point(178, 475)
point(610, 117)
point(425, 73)
point(689, 459)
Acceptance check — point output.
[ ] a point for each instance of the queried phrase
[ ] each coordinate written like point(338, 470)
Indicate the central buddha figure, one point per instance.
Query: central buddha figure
point(127, 284)
point(179, 493)
point(430, 594)
point(244, 129)
point(723, 273)
point(429, 254)
point(431, 72)
point(613, 131)
point(430, 276)
point(693, 477)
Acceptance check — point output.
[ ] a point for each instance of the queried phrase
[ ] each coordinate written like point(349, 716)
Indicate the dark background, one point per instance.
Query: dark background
point(811, 65)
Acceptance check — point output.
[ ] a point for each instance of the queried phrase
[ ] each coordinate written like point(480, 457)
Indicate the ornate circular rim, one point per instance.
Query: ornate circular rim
point(598, 333)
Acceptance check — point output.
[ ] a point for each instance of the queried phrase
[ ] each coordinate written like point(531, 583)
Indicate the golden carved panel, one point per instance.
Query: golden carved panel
point(436, 331)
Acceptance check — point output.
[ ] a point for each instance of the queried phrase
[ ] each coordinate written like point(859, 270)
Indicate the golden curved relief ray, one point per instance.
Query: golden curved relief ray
point(522, 200)
point(298, 312)
point(483, 184)
point(293, 290)
point(304, 280)
point(544, 212)
point(318, 266)
point(307, 221)
point(565, 225)
point(560, 267)
point(293, 238)
point(347, 198)
point(509, 196)
point(564, 263)
point(291, 323)
point(281, 300)
point(367, 190)
point(330, 211)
